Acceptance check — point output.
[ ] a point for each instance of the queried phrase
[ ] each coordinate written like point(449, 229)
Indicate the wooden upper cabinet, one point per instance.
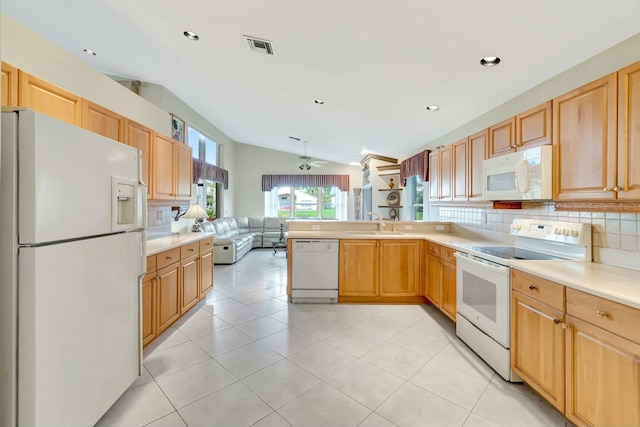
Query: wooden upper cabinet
point(533, 127)
point(103, 121)
point(502, 138)
point(49, 99)
point(141, 137)
point(184, 171)
point(434, 175)
point(9, 84)
point(478, 144)
point(629, 132)
point(446, 173)
point(358, 268)
point(584, 141)
point(460, 170)
point(399, 256)
point(164, 171)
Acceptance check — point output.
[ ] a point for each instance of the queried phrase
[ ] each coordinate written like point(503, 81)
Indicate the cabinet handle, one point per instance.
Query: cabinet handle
point(169, 257)
point(618, 188)
point(532, 288)
point(606, 189)
point(600, 314)
point(191, 250)
point(556, 321)
point(564, 325)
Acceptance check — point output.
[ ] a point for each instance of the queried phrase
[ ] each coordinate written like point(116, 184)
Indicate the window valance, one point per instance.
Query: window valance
point(271, 181)
point(415, 165)
point(203, 170)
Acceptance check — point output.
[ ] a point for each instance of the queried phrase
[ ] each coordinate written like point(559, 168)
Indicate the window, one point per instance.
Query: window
point(204, 148)
point(415, 195)
point(306, 202)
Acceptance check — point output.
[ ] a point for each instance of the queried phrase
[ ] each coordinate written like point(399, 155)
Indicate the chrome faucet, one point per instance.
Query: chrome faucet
point(381, 224)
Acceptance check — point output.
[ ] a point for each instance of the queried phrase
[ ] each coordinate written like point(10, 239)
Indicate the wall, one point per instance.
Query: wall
point(252, 162)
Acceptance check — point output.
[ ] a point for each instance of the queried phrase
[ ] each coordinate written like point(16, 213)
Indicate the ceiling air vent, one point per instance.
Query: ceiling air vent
point(259, 45)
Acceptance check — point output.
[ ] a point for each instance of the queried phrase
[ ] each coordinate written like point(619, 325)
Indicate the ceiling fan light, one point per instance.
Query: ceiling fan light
point(308, 167)
point(301, 167)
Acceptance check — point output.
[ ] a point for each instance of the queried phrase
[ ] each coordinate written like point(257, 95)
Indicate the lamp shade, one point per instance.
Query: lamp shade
point(195, 211)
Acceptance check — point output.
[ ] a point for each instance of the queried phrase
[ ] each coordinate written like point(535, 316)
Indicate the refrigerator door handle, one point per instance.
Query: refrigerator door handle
point(143, 270)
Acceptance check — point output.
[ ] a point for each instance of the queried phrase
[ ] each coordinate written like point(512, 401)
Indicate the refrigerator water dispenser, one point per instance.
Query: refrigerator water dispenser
point(124, 206)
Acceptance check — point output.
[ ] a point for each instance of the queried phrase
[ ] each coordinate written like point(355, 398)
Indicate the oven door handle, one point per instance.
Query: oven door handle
point(487, 265)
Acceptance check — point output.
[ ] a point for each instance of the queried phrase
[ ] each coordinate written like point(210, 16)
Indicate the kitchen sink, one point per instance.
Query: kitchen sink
point(375, 233)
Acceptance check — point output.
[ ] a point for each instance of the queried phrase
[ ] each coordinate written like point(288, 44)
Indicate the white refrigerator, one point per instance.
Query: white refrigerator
point(72, 256)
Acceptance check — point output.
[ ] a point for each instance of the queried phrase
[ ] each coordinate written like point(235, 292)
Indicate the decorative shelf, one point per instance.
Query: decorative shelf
point(388, 170)
point(389, 206)
point(390, 189)
point(389, 173)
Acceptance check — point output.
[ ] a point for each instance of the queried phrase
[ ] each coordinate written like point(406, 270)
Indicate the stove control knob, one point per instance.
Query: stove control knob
point(573, 233)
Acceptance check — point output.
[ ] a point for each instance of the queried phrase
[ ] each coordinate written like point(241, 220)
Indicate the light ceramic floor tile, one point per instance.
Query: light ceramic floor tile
point(201, 327)
point(517, 387)
point(322, 360)
point(174, 358)
point(458, 355)
point(477, 421)
point(234, 405)
point(195, 313)
point(221, 305)
point(293, 317)
point(240, 315)
point(365, 383)
point(395, 359)
point(222, 341)
point(143, 379)
point(288, 341)
point(246, 360)
point(354, 342)
point(380, 327)
point(451, 383)
point(375, 420)
point(212, 296)
point(171, 420)
point(169, 338)
point(324, 406)
point(255, 296)
point(280, 383)
point(262, 327)
point(270, 306)
point(272, 420)
point(137, 407)
point(412, 406)
point(192, 383)
point(320, 327)
point(507, 408)
point(427, 343)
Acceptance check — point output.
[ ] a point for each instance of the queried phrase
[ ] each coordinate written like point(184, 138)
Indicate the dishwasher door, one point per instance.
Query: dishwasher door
point(314, 271)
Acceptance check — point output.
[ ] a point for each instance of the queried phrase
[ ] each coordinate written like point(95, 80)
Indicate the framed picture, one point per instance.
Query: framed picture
point(177, 129)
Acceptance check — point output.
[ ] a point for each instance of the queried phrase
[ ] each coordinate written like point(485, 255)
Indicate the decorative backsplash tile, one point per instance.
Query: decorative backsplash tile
point(610, 230)
point(159, 215)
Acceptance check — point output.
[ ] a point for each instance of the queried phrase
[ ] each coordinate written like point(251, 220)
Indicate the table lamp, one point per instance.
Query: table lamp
point(198, 213)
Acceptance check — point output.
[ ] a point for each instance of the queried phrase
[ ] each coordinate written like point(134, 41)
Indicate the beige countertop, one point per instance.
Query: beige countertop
point(160, 244)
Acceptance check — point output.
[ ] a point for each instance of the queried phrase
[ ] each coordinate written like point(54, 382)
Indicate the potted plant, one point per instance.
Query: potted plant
point(211, 214)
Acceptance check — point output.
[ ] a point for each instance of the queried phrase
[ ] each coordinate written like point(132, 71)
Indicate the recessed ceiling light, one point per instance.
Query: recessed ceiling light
point(89, 52)
point(490, 61)
point(191, 35)
point(432, 108)
point(319, 101)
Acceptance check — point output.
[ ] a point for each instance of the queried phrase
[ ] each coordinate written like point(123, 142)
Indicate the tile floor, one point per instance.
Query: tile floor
point(245, 357)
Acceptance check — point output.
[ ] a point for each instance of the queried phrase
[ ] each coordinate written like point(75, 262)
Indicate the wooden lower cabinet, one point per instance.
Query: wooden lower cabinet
point(149, 308)
point(448, 306)
point(168, 300)
point(358, 268)
point(399, 268)
point(434, 280)
point(440, 278)
point(189, 284)
point(603, 377)
point(537, 347)
point(206, 272)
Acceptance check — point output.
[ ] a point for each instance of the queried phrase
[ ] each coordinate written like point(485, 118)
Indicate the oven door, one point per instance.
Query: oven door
point(483, 289)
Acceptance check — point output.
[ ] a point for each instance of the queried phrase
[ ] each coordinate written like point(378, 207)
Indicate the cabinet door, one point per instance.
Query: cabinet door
point(446, 173)
point(434, 179)
point(49, 99)
point(206, 272)
point(164, 168)
point(399, 268)
point(434, 280)
point(460, 170)
point(477, 153)
point(141, 137)
point(9, 85)
point(358, 268)
point(533, 127)
point(603, 373)
point(537, 347)
point(102, 121)
point(629, 132)
point(502, 138)
point(149, 308)
point(190, 290)
point(584, 141)
point(168, 288)
point(449, 290)
point(184, 174)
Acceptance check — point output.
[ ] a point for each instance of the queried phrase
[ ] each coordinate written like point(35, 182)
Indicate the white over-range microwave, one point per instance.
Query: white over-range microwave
point(524, 175)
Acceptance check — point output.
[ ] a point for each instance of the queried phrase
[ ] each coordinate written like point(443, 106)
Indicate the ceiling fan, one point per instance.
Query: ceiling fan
point(307, 162)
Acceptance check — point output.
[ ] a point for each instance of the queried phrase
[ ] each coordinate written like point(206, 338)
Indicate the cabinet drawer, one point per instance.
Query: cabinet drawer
point(151, 264)
point(168, 257)
point(433, 249)
point(206, 244)
point(447, 254)
point(538, 288)
point(612, 316)
point(189, 250)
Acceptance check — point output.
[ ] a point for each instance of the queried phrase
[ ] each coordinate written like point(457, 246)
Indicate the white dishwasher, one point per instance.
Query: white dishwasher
point(314, 271)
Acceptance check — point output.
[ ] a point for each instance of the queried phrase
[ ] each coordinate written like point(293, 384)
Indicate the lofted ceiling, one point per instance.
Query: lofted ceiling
point(376, 64)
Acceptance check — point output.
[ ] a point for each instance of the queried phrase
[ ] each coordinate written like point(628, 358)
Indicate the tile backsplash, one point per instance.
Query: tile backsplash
point(620, 231)
point(159, 215)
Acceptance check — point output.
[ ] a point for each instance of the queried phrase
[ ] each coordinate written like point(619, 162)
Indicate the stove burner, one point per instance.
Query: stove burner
point(511, 252)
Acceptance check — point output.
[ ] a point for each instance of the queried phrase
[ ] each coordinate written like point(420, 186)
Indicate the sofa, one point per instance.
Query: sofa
point(236, 236)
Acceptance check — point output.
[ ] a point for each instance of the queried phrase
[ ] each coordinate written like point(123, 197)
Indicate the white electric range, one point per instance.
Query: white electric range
point(483, 282)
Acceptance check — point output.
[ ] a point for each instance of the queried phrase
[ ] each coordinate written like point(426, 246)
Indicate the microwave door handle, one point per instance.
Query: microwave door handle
point(522, 176)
